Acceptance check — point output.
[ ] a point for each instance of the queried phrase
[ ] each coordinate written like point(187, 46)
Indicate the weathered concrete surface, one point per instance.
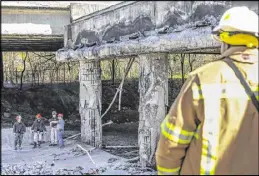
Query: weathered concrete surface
point(8, 136)
point(133, 16)
point(143, 19)
point(79, 10)
point(153, 88)
point(90, 102)
point(193, 40)
point(60, 4)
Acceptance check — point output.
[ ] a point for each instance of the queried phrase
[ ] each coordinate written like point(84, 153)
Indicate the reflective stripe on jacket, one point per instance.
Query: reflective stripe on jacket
point(212, 127)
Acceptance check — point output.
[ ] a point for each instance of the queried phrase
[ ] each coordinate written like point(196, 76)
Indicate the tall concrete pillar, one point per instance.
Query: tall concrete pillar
point(153, 88)
point(90, 102)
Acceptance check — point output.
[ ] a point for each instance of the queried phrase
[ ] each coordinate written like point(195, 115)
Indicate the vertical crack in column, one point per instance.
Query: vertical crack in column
point(90, 102)
point(153, 89)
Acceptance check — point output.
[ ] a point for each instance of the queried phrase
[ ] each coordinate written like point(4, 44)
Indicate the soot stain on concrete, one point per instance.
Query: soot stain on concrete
point(207, 10)
point(91, 36)
point(139, 24)
point(174, 18)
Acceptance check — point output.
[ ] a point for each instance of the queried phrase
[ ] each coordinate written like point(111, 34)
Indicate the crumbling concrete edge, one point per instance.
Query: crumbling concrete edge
point(192, 40)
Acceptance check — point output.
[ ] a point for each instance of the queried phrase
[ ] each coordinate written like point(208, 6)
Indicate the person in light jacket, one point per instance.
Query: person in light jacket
point(60, 129)
point(53, 132)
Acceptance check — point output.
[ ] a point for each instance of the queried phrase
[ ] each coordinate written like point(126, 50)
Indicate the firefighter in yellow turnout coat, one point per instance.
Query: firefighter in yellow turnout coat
point(212, 127)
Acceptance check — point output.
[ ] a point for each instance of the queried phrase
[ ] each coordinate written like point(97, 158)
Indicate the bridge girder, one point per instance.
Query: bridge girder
point(31, 42)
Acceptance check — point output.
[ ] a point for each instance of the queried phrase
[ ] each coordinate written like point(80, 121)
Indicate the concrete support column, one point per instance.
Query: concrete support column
point(90, 102)
point(153, 88)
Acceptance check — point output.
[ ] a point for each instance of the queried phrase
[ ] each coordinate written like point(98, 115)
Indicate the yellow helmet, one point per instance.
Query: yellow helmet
point(238, 26)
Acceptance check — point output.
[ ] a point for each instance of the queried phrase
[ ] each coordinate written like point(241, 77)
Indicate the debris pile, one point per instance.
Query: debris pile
point(44, 169)
point(38, 168)
point(77, 152)
point(77, 171)
point(135, 169)
point(96, 171)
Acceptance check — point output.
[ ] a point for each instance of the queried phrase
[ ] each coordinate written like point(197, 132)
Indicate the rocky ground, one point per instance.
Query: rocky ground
point(73, 161)
point(68, 161)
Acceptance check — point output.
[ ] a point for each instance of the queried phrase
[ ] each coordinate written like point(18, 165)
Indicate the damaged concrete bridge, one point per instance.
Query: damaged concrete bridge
point(149, 31)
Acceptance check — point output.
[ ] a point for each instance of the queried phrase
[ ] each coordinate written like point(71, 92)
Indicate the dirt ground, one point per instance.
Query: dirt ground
point(72, 160)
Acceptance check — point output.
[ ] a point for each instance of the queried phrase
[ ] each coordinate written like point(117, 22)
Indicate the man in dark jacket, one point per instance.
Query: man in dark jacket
point(38, 128)
point(19, 128)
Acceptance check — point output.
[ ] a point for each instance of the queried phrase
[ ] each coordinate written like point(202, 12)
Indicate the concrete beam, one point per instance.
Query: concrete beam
point(80, 10)
point(153, 88)
point(34, 8)
point(196, 40)
point(31, 42)
point(90, 102)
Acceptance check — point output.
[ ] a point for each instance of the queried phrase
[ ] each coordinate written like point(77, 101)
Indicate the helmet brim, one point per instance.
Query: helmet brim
point(217, 28)
point(215, 37)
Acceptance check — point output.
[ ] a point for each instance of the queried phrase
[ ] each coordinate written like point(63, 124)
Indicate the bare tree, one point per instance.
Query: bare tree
point(113, 71)
point(191, 61)
point(171, 70)
point(33, 68)
point(2, 71)
point(24, 58)
point(182, 66)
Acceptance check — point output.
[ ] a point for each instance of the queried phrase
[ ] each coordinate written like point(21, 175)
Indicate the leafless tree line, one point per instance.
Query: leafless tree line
point(37, 69)
point(42, 68)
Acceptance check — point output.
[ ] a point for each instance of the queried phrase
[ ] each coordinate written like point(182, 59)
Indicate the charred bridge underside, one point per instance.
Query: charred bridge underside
point(31, 42)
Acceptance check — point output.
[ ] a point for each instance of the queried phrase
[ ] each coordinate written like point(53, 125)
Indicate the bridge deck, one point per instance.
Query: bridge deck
point(31, 42)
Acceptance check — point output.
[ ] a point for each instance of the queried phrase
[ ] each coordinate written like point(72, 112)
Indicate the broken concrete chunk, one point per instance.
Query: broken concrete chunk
point(111, 160)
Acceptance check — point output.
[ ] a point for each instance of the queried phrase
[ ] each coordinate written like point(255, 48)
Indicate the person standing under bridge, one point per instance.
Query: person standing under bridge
point(53, 132)
point(19, 129)
point(38, 128)
point(60, 128)
point(212, 127)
